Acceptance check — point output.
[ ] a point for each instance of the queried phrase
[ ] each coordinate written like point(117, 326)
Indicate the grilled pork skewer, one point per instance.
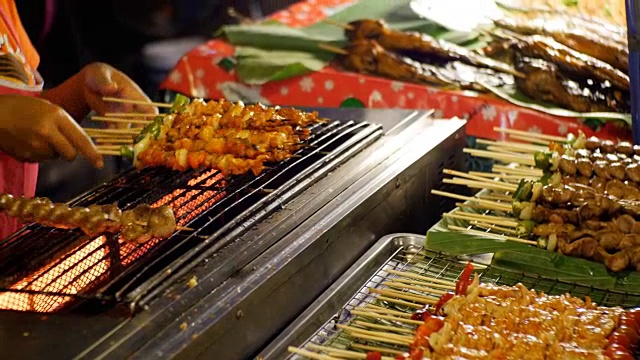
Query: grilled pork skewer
point(419, 46)
point(579, 39)
point(137, 225)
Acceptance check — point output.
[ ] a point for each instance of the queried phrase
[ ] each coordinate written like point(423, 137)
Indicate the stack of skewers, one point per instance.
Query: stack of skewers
point(577, 196)
point(417, 317)
point(233, 138)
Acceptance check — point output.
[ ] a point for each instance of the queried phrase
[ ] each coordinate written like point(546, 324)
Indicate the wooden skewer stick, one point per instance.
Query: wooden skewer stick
point(486, 217)
point(414, 287)
point(493, 227)
point(132, 114)
point(507, 158)
point(113, 141)
point(384, 327)
point(491, 235)
point(386, 317)
point(528, 139)
point(472, 177)
point(399, 302)
point(424, 278)
point(310, 354)
point(514, 145)
point(423, 284)
point(530, 134)
point(109, 152)
point(505, 177)
point(119, 120)
point(184, 228)
point(457, 215)
point(338, 24)
point(341, 352)
point(497, 197)
point(397, 337)
point(383, 310)
point(138, 102)
point(494, 205)
point(517, 171)
point(112, 131)
point(333, 49)
point(378, 339)
point(487, 184)
point(470, 206)
point(378, 349)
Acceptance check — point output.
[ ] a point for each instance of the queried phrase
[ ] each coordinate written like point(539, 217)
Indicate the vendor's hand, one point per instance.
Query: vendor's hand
point(101, 80)
point(33, 129)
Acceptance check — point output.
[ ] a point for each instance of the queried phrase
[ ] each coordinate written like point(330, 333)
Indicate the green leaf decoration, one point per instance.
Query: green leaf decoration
point(352, 103)
point(521, 258)
point(512, 95)
point(256, 66)
point(227, 64)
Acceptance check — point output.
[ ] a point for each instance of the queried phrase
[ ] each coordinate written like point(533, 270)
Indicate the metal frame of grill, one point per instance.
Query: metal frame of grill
point(406, 252)
point(127, 273)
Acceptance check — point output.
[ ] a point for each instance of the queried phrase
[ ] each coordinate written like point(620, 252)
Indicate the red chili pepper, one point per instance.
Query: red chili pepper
point(556, 147)
point(425, 330)
point(416, 354)
point(422, 314)
point(616, 352)
point(374, 355)
point(465, 280)
point(400, 357)
point(443, 300)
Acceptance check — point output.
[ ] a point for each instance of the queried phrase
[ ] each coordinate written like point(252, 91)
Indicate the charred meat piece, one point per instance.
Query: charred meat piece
point(571, 61)
point(369, 57)
point(618, 261)
point(545, 82)
point(419, 46)
point(584, 166)
point(633, 172)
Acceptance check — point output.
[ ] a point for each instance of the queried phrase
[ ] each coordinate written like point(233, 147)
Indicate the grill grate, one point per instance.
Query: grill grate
point(42, 269)
point(418, 261)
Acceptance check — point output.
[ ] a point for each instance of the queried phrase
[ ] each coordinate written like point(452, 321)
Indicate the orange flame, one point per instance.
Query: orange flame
point(89, 263)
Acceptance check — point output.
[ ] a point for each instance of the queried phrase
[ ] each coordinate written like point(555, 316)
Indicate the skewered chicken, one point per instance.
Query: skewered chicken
point(420, 47)
point(136, 225)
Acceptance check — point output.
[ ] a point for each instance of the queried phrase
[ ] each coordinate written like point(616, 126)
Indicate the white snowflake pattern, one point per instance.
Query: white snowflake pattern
point(200, 73)
point(432, 91)
point(201, 91)
point(376, 96)
point(534, 129)
point(306, 84)
point(410, 95)
point(361, 80)
point(512, 115)
point(489, 113)
point(402, 101)
point(562, 129)
point(284, 90)
point(328, 85)
point(320, 100)
point(175, 77)
point(438, 114)
point(454, 99)
point(397, 86)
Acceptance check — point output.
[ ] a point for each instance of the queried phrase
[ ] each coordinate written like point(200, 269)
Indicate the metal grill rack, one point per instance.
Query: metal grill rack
point(418, 261)
point(43, 269)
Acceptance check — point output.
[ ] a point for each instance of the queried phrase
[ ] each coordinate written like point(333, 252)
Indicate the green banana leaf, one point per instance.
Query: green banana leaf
point(257, 66)
point(514, 96)
point(521, 258)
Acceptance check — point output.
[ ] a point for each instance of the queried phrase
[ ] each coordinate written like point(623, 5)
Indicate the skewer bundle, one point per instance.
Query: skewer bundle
point(231, 137)
point(423, 317)
point(559, 199)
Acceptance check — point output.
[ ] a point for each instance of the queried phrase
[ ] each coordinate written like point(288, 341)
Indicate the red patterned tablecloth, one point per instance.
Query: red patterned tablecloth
point(200, 74)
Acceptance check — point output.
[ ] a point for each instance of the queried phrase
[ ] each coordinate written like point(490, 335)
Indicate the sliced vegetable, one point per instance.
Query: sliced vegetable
point(179, 104)
point(542, 159)
point(465, 280)
point(524, 190)
point(127, 152)
point(525, 227)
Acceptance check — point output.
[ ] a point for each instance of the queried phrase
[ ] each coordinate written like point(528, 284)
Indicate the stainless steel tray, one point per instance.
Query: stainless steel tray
point(329, 304)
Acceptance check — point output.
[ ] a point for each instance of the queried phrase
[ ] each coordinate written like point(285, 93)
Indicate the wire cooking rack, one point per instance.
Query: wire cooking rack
point(422, 262)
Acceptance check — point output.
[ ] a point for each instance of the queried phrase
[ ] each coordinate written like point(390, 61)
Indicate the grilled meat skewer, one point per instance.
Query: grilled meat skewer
point(136, 225)
point(579, 39)
point(570, 60)
point(419, 46)
point(545, 82)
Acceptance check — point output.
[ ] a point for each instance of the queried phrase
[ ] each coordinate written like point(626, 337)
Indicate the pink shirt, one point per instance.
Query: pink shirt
point(17, 76)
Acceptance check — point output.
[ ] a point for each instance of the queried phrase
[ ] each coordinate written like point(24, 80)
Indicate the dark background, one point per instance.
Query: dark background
point(142, 38)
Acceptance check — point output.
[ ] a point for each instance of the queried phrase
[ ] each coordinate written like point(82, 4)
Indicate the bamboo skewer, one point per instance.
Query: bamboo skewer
point(378, 349)
point(112, 131)
point(333, 49)
point(398, 337)
point(487, 184)
point(530, 140)
point(474, 177)
point(531, 134)
point(517, 171)
point(131, 114)
point(413, 287)
point(119, 120)
point(342, 353)
point(491, 235)
point(493, 227)
point(513, 145)
point(492, 205)
point(310, 354)
point(507, 158)
point(338, 24)
point(451, 284)
point(384, 327)
point(382, 310)
point(137, 102)
point(400, 302)
point(457, 215)
point(386, 317)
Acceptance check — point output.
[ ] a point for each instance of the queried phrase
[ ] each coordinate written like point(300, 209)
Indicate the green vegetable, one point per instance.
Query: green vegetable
point(525, 227)
point(127, 152)
point(542, 159)
point(179, 103)
point(571, 138)
point(545, 178)
point(152, 129)
point(542, 242)
point(517, 207)
point(524, 190)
